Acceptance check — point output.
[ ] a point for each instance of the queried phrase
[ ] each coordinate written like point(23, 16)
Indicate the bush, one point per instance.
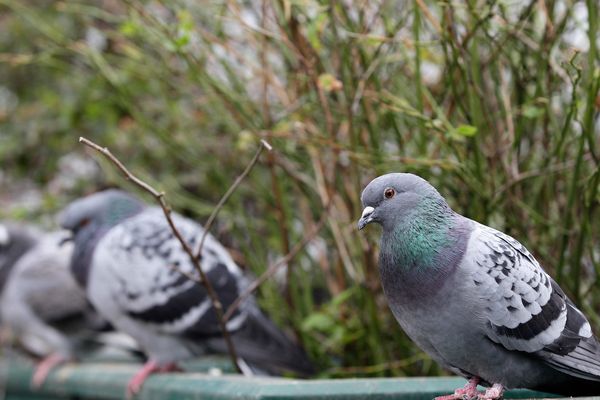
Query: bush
point(496, 104)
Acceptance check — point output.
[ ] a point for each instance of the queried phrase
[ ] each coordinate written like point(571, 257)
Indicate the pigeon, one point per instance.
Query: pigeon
point(14, 242)
point(40, 302)
point(136, 273)
point(474, 298)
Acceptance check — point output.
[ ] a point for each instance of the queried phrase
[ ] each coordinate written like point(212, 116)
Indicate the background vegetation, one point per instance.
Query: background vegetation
point(495, 102)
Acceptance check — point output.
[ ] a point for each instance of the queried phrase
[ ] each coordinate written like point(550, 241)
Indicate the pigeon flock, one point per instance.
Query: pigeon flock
point(470, 296)
point(474, 298)
point(117, 262)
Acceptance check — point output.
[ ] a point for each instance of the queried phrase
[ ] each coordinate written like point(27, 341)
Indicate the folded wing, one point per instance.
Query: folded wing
point(527, 311)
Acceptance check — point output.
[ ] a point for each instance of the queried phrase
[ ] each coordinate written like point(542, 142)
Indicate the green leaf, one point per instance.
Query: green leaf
point(532, 112)
point(343, 297)
point(465, 130)
point(318, 321)
point(329, 83)
point(129, 28)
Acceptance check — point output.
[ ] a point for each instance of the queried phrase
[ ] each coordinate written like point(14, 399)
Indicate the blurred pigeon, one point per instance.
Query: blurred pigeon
point(40, 302)
point(131, 265)
point(14, 242)
point(474, 298)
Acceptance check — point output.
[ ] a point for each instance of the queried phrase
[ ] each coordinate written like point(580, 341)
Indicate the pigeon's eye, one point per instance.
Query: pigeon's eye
point(82, 223)
point(389, 193)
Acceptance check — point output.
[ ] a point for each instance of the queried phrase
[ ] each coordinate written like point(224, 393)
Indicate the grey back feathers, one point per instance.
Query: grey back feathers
point(511, 323)
point(136, 270)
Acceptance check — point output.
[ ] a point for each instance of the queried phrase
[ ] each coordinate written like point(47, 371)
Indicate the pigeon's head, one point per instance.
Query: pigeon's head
point(102, 209)
point(15, 240)
point(6, 244)
point(391, 198)
point(4, 236)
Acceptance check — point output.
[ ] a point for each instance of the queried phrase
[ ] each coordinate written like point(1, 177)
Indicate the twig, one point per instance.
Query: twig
point(128, 175)
point(160, 197)
point(432, 20)
point(274, 267)
point(227, 195)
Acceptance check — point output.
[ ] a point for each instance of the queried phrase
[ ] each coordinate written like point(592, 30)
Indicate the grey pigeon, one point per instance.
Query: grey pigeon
point(474, 298)
point(40, 302)
point(15, 240)
point(130, 263)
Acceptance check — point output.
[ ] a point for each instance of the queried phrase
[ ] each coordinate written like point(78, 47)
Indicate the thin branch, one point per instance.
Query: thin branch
point(429, 15)
point(274, 267)
point(160, 197)
point(128, 175)
point(227, 195)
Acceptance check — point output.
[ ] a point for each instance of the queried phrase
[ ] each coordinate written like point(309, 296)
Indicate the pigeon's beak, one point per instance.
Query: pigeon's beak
point(66, 238)
point(366, 217)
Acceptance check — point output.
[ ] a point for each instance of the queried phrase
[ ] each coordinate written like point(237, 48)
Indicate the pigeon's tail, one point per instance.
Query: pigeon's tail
point(576, 372)
point(266, 349)
point(571, 386)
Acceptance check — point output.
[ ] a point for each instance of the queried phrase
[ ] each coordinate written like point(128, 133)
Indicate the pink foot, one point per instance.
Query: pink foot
point(44, 367)
point(493, 393)
point(151, 367)
point(469, 391)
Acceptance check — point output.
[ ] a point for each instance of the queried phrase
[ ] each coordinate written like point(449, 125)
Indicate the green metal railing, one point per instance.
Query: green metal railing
point(109, 380)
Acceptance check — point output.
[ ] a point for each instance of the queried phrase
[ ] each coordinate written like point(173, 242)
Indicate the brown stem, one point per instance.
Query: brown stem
point(227, 195)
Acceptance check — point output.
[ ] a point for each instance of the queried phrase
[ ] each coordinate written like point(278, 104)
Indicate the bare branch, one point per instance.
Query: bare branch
point(227, 195)
point(194, 256)
point(128, 175)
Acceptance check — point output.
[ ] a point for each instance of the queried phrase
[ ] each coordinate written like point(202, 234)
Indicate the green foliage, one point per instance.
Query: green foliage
point(334, 324)
point(491, 101)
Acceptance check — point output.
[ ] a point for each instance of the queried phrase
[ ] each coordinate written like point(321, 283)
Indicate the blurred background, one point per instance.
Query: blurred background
point(496, 103)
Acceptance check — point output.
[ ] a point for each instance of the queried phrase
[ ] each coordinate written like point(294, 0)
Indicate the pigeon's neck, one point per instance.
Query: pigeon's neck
point(85, 243)
point(424, 247)
point(89, 236)
point(415, 242)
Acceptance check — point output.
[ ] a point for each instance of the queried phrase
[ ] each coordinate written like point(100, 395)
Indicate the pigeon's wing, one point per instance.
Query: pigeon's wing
point(148, 269)
point(525, 309)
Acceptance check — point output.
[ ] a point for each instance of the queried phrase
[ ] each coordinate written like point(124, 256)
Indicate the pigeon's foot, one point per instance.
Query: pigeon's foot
point(44, 367)
point(151, 367)
point(493, 393)
point(469, 391)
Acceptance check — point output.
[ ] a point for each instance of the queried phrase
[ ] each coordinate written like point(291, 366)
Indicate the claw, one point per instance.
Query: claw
point(151, 367)
point(45, 366)
point(494, 393)
point(469, 391)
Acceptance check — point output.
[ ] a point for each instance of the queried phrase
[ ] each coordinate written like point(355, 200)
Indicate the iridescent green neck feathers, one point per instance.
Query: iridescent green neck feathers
point(418, 238)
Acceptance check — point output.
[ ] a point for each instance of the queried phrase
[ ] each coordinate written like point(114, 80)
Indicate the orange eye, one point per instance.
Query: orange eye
point(389, 193)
